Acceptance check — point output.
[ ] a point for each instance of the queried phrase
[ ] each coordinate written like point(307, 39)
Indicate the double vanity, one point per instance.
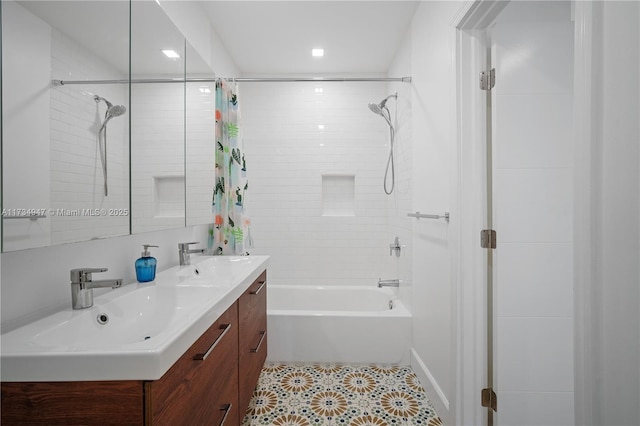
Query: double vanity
point(186, 348)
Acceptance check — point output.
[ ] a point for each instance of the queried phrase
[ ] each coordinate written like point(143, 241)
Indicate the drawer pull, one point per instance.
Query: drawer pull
point(262, 333)
point(202, 357)
point(262, 283)
point(227, 409)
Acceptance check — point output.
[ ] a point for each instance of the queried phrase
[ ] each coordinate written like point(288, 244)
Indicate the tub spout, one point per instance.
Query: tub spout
point(388, 283)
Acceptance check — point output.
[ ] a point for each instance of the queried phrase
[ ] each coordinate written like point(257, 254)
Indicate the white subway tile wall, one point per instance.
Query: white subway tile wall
point(400, 202)
point(80, 210)
point(287, 156)
point(200, 151)
point(157, 151)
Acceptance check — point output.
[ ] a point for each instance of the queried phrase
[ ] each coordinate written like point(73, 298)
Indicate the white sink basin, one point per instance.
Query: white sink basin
point(132, 333)
point(150, 312)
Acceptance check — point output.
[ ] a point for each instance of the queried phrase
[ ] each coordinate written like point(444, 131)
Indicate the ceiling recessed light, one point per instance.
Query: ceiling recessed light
point(171, 53)
point(321, 126)
point(319, 89)
point(317, 52)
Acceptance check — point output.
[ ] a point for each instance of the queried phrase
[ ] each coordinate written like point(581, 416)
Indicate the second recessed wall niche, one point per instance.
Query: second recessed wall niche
point(338, 195)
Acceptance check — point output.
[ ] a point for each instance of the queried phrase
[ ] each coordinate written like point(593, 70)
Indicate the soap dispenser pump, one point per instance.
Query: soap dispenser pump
point(146, 266)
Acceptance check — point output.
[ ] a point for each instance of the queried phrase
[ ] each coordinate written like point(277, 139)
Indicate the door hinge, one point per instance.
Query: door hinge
point(488, 79)
point(489, 399)
point(488, 238)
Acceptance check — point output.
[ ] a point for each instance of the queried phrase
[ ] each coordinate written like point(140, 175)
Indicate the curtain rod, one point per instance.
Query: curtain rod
point(56, 83)
point(316, 79)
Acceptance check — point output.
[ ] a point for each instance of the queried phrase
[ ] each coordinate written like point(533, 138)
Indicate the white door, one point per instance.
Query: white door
point(532, 52)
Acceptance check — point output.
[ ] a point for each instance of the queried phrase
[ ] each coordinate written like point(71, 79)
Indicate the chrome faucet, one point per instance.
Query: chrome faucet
point(184, 252)
point(82, 286)
point(388, 283)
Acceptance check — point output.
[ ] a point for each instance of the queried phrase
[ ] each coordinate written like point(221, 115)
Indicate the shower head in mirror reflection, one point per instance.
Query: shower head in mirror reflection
point(112, 111)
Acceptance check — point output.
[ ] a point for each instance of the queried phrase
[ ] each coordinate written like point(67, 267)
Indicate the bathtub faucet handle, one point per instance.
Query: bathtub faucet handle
point(395, 247)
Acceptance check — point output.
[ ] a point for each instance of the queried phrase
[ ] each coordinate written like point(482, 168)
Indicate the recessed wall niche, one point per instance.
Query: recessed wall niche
point(338, 195)
point(169, 196)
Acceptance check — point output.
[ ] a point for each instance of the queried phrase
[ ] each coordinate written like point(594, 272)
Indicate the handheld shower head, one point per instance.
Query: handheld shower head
point(116, 111)
point(375, 108)
point(382, 110)
point(112, 111)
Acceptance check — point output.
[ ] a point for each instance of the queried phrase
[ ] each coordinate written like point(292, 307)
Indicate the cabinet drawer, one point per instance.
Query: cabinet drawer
point(252, 316)
point(251, 362)
point(252, 309)
point(197, 386)
point(72, 403)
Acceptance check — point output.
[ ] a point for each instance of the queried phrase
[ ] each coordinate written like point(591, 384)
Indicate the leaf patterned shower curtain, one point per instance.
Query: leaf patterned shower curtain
point(231, 229)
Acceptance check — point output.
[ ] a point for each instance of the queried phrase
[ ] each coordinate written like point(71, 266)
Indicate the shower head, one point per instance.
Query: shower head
point(378, 108)
point(116, 111)
point(375, 108)
point(381, 108)
point(112, 110)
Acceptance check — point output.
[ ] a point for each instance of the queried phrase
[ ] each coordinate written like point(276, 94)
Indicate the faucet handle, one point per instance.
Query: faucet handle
point(84, 274)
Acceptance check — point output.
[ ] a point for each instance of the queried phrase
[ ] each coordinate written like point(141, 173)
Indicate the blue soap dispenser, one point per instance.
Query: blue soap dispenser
point(146, 266)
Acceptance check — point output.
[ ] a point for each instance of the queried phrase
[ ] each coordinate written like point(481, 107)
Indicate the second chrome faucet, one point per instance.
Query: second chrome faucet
point(184, 253)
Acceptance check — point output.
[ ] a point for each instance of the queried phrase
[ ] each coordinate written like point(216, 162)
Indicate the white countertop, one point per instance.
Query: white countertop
point(150, 325)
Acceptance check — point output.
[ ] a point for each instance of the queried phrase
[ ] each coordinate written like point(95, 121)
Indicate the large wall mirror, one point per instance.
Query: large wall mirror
point(110, 157)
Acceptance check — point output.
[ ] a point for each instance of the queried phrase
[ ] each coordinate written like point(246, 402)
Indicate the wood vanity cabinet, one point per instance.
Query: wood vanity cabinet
point(211, 384)
point(252, 316)
point(201, 388)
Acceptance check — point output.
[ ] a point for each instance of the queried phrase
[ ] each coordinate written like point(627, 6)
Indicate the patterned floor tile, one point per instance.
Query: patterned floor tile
point(339, 394)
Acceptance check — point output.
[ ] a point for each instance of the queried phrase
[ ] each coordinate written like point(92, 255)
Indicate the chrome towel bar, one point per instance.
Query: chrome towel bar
point(419, 215)
point(26, 216)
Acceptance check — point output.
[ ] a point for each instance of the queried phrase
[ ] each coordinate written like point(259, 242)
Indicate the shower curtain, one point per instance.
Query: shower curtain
point(231, 227)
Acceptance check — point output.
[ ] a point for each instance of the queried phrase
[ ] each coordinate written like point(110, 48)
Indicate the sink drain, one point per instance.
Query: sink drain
point(103, 319)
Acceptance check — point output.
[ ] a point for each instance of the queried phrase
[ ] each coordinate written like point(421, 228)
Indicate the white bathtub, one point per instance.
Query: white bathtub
point(353, 324)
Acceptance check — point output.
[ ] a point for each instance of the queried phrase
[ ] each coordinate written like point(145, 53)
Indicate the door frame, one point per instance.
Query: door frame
point(470, 322)
point(471, 310)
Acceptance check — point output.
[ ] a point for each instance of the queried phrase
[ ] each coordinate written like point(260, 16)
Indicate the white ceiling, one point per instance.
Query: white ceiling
point(263, 37)
point(276, 37)
point(103, 28)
